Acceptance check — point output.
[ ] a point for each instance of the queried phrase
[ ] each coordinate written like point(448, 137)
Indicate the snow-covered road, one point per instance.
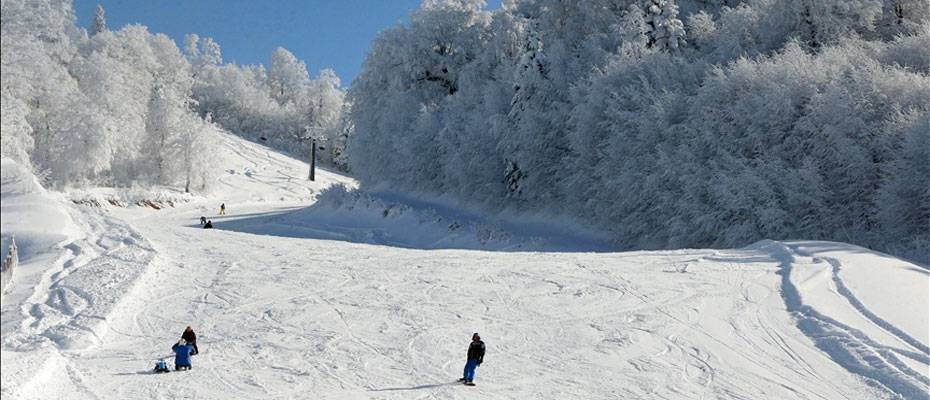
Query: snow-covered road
point(286, 317)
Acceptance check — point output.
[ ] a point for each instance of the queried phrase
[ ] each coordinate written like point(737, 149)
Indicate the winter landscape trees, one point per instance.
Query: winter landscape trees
point(127, 107)
point(664, 123)
point(110, 108)
point(281, 105)
point(688, 123)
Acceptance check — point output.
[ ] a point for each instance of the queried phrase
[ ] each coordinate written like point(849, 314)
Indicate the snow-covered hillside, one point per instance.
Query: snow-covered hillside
point(292, 299)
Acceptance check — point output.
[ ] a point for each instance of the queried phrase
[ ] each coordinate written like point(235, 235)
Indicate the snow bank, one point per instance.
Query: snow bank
point(42, 226)
point(35, 216)
point(155, 198)
point(396, 220)
point(76, 266)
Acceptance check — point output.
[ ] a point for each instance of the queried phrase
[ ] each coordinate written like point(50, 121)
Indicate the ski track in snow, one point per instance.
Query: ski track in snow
point(282, 317)
point(849, 347)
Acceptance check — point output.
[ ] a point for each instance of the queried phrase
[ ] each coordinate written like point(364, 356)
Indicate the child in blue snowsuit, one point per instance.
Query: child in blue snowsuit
point(182, 355)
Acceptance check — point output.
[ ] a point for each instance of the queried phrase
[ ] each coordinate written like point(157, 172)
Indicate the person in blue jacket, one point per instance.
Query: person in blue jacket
point(182, 355)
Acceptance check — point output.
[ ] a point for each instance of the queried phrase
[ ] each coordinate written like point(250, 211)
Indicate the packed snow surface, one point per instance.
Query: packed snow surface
point(295, 300)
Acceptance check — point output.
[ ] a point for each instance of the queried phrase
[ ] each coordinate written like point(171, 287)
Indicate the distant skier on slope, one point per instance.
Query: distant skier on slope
point(223, 209)
point(475, 358)
point(208, 225)
point(182, 355)
point(203, 220)
point(190, 337)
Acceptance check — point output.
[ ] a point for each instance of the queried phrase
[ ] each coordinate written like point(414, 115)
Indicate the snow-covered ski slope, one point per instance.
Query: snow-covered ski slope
point(286, 309)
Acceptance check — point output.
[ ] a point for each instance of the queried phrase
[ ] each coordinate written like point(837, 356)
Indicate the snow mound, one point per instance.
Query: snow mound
point(35, 216)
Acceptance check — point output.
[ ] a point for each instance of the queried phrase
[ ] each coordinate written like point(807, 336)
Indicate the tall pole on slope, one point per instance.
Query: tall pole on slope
point(313, 159)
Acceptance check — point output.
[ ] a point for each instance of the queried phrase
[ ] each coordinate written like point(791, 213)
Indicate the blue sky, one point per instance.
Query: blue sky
point(325, 34)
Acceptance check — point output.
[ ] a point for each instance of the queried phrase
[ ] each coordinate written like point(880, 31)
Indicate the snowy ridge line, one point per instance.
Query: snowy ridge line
point(854, 301)
point(847, 346)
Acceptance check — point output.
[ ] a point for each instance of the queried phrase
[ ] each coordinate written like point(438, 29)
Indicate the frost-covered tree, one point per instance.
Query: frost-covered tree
point(210, 51)
point(412, 71)
point(903, 200)
point(15, 133)
point(701, 28)
point(192, 45)
point(634, 32)
point(84, 100)
point(281, 106)
point(287, 77)
point(664, 29)
point(325, 106)
point(202, 52)
point(161, 124)
point(192, 147)
point(535, 141)
point(779, 119)
point(903, 17)
point(100, 20)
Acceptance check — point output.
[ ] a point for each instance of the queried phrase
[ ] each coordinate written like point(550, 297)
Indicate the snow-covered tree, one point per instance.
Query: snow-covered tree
point(903, 17)
point(281, 107)
point(192, 147)
point(192, 45)
point(903, 200)
point(287, 77)
point(210, 51)
point(664, 29)
point(84, 100)
point(410, 74)
point(701, 28)
point(15, 133)
point(100, 20)
point(778, 120)
point(634, 32)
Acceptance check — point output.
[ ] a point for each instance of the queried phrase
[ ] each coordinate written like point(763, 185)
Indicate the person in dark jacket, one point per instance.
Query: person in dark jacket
point(191, 338)
point(203, 220)
point(475, 358)
point(182, 355)
point(208, 225)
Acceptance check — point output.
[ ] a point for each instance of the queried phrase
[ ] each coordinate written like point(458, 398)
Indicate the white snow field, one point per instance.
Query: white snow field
point(376, 297)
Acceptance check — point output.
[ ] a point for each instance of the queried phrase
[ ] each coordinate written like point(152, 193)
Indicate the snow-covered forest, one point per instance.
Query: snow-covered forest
point(128, 107)
point(664, 123)
point(668, 123)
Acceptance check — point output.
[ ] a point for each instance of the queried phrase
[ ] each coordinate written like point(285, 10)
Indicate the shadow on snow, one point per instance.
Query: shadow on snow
point(411, 226)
